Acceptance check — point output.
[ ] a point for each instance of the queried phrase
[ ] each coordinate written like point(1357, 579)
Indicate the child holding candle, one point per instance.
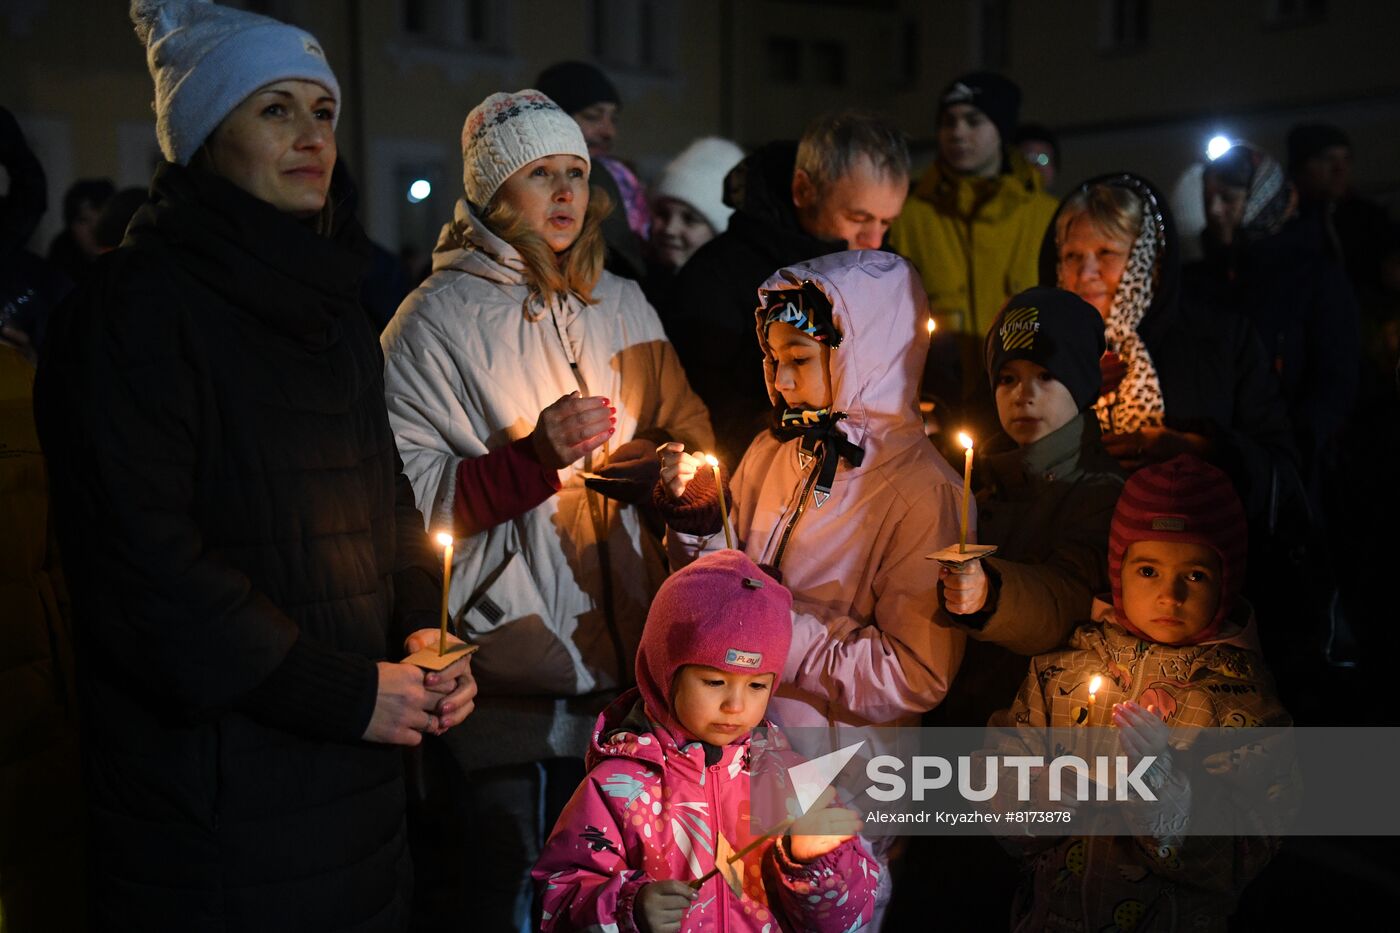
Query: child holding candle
point(1176, 649)
point(1047, 491)
point(843, 496)
point(667, 793)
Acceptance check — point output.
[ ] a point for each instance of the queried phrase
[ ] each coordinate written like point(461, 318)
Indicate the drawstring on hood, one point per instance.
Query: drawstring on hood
point(874, 302)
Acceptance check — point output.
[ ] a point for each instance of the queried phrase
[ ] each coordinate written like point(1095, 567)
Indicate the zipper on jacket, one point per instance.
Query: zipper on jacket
point(972, 325)
point(598, 511)
point(712, 779)
point(813, 470)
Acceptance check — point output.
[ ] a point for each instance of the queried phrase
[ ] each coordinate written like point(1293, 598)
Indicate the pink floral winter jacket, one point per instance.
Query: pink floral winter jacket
point(652, 810)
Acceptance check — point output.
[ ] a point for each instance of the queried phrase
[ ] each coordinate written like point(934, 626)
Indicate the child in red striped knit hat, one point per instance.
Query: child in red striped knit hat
point(1176, 649)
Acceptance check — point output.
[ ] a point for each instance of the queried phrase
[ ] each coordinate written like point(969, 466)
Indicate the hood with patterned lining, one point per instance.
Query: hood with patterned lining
point(879, 308)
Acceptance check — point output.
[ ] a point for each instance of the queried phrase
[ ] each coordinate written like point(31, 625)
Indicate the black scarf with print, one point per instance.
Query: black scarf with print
point(819, 438)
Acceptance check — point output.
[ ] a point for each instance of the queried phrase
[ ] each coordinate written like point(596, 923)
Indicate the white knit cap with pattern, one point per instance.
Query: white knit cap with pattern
point(507, 131)
point(696, 176)
point(207, 59)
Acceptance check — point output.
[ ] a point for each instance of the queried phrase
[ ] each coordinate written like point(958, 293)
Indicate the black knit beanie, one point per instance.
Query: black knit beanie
point(575, 86)
point(997, 97)
point(1055, 329)
point(1308, 139)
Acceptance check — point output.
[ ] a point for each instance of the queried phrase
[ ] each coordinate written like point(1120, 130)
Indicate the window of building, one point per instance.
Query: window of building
point(636, 35)
point(1123, 25)
point(784, 58)
point(991, 25)
point(1286, 13)
point(798, 61)
point(415, 17)
point(828, 63)
point(470, 25)
point(908, 74)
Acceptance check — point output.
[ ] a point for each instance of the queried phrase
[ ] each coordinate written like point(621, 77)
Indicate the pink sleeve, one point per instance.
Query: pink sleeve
point(499, 486)
point(829, 894)
point(582, 874)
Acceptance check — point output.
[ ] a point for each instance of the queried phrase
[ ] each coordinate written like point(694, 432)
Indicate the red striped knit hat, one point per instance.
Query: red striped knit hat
point(1186, 500)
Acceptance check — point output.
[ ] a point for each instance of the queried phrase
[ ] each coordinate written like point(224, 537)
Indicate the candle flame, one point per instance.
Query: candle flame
point(932, 326)
point(1094, 684)
point(965, 440)
point(709, 458)
point(444, 538)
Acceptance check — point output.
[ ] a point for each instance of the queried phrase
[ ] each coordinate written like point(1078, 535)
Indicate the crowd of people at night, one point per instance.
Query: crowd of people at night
point(693, 439)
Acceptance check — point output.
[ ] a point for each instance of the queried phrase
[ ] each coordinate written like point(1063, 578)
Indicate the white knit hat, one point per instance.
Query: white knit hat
point(696, 176)
point(207, 59)
point(507, 131)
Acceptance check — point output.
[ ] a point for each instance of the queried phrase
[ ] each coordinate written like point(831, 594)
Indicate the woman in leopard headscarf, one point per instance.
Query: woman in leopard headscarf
point(1176, 379)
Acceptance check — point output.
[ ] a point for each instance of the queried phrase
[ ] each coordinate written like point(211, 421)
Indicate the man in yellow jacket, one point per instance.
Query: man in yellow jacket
point(974, 223)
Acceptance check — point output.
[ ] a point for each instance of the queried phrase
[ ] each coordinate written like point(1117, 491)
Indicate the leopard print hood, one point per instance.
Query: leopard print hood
point(1145, 300)
point(1166, 290)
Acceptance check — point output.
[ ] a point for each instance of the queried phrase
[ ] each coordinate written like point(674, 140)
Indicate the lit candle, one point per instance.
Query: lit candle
point(445, 540)
point(966, 441)
point(723, 509)
point(1094, 683)
point(932, 326)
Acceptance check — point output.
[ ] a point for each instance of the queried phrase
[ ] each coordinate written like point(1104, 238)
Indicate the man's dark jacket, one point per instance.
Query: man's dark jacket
point(710, 318)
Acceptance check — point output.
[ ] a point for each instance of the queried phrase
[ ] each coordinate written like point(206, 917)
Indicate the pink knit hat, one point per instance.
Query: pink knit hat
point(1186, 500)
point(721, 611)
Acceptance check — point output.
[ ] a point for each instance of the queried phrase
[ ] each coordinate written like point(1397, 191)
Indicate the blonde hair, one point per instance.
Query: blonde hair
point(1110, 209)
point(576, 270)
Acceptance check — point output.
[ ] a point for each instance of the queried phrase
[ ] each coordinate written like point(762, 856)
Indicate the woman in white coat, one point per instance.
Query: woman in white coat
point(515, 371)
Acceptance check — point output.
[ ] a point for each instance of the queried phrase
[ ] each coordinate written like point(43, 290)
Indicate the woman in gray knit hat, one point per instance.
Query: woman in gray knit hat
point(244, 554)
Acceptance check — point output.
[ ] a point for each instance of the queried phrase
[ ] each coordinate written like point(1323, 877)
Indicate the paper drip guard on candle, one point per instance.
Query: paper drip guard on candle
point(953, 557)
point(429, 659)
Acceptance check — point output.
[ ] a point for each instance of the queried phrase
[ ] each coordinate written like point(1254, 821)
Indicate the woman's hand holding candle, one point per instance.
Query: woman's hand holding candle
point(572, 428)
point(454, 684)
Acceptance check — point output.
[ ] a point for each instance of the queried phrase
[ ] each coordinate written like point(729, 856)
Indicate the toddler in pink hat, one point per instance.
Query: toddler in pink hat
point(667, 798)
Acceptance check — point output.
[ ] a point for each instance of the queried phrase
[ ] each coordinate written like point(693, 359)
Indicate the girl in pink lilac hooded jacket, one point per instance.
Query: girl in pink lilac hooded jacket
point(844, 505)
point(659, 805)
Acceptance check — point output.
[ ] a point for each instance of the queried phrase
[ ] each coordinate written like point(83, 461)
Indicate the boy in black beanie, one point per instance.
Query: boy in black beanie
point(1048, 491)
point(1047, 494)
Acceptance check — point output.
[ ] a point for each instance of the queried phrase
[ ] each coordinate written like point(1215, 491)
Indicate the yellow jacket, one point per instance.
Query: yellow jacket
point(958, 230)
point(41, 854)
